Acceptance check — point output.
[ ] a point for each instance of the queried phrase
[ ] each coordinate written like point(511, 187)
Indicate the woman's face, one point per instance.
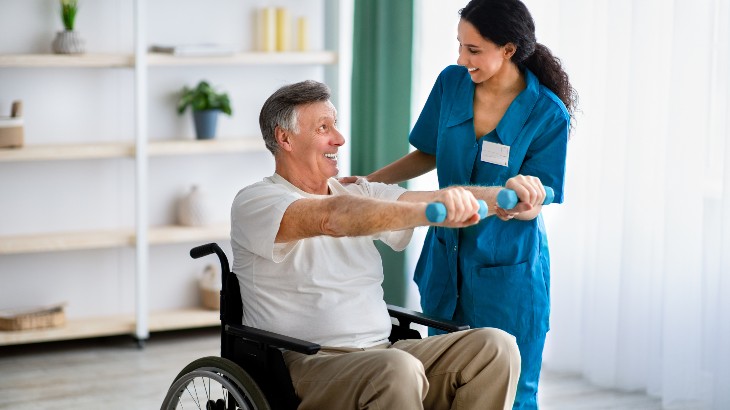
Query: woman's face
point(482, 57)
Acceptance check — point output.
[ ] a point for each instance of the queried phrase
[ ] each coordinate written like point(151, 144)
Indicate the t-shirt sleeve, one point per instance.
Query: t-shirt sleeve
point(396, 240)
point(255, 219)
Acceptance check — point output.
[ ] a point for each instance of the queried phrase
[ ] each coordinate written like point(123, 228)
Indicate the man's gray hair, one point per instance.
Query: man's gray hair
point(280, 108)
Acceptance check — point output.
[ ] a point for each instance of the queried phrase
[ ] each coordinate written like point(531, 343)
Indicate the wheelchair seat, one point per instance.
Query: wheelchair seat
point(251, 372)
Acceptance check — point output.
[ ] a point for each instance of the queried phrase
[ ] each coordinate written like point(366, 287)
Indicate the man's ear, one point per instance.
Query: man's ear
point(283, 138)
point(509, 50)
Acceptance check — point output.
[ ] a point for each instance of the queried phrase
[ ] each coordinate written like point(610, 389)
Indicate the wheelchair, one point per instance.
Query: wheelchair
point(251, 373)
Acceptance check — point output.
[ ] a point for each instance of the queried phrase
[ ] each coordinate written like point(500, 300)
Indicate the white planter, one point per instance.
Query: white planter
point(68, 42)
point(192, 209)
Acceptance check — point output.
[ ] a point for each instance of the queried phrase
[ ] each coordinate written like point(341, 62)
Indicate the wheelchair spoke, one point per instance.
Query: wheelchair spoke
point(207, 389)
point(224, 386)
point(195, 400)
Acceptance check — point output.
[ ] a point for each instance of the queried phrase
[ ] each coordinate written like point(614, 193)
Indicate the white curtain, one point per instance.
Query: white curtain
point(641, 247)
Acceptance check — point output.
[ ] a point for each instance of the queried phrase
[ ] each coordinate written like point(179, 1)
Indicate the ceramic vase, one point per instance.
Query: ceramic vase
point(68, 42)
point(206, 122)
point(191, 209)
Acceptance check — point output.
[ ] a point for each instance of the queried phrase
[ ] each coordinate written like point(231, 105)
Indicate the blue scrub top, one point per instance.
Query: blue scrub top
point(498, 272)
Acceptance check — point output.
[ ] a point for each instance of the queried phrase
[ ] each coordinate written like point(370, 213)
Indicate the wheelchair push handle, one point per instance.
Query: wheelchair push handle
point(203, 250)
point(436, 211)
point(507, 198)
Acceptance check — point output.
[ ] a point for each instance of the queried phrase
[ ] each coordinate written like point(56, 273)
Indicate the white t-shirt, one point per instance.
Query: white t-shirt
point(323, 289)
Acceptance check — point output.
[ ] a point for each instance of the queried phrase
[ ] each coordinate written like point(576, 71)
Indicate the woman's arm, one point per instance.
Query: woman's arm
point(408, 167)
point(528, 189)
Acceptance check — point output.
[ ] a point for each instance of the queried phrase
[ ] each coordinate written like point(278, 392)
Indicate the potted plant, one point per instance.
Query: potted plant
point(68, 41)
point(206, 103)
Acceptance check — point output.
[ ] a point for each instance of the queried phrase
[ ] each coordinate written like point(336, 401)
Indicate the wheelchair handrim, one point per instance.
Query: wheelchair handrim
point(179, 387)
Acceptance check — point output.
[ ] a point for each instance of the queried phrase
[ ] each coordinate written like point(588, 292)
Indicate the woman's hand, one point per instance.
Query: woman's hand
point(349, 180)
point(531, 194)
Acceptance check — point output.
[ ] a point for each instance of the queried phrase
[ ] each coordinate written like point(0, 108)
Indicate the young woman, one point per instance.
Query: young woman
point(503, 111)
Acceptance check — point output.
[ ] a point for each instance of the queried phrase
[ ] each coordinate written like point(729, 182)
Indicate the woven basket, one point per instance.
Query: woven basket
point(210, 285)
point(211, 298)
point(32, 318)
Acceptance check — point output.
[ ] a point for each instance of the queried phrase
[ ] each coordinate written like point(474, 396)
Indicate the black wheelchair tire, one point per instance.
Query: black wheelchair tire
point(229, 375)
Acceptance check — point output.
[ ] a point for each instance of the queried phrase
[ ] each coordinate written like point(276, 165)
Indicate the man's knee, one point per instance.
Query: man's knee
point(498, 345)
point(397, 379)
point(397, 365)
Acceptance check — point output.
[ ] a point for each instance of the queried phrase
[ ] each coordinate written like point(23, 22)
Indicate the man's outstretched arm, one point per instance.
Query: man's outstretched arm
point(351, 215)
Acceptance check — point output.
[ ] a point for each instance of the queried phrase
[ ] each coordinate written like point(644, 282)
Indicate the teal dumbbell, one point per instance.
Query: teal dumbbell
point(507, 198)
point(436, 211)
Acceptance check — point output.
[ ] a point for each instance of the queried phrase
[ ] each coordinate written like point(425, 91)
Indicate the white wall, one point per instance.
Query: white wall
point(70, 105)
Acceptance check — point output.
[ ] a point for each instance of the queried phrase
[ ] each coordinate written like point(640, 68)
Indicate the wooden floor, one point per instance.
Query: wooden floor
point(111, 373)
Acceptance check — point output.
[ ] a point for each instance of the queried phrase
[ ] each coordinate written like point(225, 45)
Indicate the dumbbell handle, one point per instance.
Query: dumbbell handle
point(507, 198)
point(436, 211)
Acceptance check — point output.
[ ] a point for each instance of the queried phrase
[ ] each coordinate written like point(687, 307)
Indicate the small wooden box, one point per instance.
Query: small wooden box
point(11, 128)
point(32, 318)
point(211, 298)
point(11, 132)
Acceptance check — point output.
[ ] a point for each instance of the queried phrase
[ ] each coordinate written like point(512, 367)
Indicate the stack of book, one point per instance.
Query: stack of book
point(194, 50)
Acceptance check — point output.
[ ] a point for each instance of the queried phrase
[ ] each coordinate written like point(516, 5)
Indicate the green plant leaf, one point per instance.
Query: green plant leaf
point(68, 13)
point(204, 97)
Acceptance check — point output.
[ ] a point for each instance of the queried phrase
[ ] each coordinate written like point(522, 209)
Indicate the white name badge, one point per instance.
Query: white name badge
point(495, 153)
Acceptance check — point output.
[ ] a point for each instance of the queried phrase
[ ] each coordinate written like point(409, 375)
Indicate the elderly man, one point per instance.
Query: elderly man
point(307, 266)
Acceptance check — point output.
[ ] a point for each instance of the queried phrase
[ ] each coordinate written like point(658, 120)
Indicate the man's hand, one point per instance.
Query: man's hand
point(531, 194)
point(462, 208)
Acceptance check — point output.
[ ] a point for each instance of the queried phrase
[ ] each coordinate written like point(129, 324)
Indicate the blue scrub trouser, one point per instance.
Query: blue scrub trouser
point(531, 353)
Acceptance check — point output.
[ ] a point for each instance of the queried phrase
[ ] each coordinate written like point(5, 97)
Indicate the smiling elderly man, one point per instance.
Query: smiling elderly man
point(305, 259)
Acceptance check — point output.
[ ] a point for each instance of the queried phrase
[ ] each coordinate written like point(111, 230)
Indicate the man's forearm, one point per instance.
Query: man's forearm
point(348, 215)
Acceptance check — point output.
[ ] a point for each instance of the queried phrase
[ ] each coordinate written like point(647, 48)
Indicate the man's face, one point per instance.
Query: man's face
point(315, 146)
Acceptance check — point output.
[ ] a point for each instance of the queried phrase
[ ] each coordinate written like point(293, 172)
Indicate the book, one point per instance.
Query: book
point(194, 50)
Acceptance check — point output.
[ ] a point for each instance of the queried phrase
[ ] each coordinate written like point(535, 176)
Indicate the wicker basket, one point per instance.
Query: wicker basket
point(33, 318)
point(211, 298)
point(210, 288)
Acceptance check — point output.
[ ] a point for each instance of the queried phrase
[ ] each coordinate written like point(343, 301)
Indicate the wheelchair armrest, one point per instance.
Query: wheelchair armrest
point(405, 316)
point(271, 338)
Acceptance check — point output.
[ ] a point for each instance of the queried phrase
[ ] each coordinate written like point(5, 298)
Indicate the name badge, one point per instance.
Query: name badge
point(494, 153)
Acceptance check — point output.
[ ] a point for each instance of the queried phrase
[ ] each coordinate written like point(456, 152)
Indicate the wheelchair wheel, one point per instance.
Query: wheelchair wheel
point(214, 383)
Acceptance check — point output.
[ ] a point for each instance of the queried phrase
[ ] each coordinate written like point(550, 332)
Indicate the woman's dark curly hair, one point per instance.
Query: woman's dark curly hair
point(509, 21)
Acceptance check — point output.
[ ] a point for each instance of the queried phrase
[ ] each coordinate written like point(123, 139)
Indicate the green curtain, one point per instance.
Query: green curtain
point(381, 104)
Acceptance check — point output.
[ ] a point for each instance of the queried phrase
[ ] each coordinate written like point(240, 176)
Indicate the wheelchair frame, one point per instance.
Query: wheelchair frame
point(251, 368)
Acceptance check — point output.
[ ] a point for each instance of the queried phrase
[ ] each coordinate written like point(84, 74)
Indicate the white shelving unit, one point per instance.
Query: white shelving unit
point(142, 152)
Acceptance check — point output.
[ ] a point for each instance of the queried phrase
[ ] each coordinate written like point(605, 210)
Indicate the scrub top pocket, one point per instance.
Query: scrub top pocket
point(502, 297)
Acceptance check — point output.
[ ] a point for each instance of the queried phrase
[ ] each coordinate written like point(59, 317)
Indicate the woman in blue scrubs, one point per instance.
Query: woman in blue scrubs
point(503, 111)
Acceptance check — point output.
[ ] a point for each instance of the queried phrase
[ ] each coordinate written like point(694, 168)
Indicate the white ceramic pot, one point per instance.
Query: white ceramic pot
point(192, 209)
point(68, 42)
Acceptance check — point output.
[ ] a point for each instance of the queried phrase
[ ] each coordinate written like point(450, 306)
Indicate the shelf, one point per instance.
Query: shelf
point(248, 58)
point(214, 146)
point(64, 60)
point(161, 59)
point(113, 326)
point(183, 319)
point(64, 241)
point(71, 241)
point(58, 152)
point(52, 152)
point(184, 234)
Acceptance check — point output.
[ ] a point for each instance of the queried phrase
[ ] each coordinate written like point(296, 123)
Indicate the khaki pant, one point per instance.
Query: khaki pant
point(472, 369)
